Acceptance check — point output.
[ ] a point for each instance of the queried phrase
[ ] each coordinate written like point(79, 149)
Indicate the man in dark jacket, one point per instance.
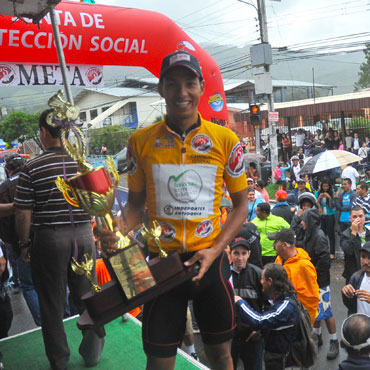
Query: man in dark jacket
point(306, 201)
point(351, 240)
point(13, 165)
point(6, 312)
point(343, 204)
point(245, 279)
point(282, 208)
point(278, 324)
point(356, 341)
point(317, 246)
point(250, 232)
point(356, 294)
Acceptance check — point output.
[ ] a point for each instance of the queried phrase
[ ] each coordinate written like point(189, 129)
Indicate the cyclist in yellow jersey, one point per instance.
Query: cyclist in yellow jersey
point(177, 166)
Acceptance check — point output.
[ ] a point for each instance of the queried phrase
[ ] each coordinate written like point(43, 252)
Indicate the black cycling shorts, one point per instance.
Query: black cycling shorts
point(164, 318)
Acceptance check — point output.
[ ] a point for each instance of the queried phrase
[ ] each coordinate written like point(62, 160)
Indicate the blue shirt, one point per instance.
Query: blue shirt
point(252, 208)
point(329, 211)
point(283, 174)
point(344, 216)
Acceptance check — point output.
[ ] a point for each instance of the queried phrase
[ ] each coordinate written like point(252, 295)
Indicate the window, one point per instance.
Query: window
point(93, 114)
point(83, 116)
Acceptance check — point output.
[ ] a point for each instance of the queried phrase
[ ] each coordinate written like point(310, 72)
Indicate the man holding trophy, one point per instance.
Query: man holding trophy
point(60, 234)
point(177, 167)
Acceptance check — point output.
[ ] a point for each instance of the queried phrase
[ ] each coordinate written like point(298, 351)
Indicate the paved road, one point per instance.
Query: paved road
point(23, 321)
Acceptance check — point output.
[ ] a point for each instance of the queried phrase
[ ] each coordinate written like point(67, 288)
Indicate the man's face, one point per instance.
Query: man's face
point(182, 91)
point(266, 284)
point(360, 192)
point(261, 215)
point(365, 262)
point(295, 162)
point(346, 186)
point(240, 256)
point(358, 217)
point(251, 197)
point(279, 247)
point(301, 186)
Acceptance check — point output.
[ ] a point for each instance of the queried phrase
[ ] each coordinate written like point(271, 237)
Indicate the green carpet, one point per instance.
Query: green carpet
point(122, 350)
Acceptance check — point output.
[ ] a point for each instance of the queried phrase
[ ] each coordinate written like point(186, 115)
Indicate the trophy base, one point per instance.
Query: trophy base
point(111, 303)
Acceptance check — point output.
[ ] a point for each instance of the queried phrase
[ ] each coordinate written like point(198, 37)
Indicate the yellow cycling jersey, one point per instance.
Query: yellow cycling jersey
point(182, 177)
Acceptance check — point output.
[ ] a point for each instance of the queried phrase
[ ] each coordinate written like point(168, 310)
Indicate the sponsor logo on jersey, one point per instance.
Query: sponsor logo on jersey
point(168, 232)
point(168, 210)
point(204, 229)
point(170, 141)
point(131, 161)
point(235, 164)
point(157, 144)
point(202, 143)
point(186, 186)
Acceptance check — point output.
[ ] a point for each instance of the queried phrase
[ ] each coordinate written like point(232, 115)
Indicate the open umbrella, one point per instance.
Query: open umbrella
point(327, 160)
point(253, 157)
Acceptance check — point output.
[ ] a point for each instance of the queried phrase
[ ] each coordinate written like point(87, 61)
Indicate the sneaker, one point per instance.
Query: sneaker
point(333, 350)
point(319, 339)
point(195, 356)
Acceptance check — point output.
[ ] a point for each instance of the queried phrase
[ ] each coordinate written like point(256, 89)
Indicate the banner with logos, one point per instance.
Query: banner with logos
point(109, 35)
point(21, 74)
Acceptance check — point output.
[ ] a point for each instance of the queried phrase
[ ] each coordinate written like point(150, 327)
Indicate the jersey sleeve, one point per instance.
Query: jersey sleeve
point(234, 174)
point(136, 175)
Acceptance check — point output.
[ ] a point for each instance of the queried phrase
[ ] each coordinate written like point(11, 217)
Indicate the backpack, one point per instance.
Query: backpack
point(304, 347)
point(278, 174)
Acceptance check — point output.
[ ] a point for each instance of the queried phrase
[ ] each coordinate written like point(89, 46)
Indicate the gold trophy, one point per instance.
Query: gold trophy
point(134, 280)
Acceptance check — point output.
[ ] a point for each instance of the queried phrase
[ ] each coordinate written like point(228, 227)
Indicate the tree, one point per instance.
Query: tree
point(20, 126)
point(114, 138)
point(364, 74)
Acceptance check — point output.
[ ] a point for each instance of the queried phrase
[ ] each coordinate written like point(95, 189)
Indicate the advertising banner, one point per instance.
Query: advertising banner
point(108, 35)
point(22, 74)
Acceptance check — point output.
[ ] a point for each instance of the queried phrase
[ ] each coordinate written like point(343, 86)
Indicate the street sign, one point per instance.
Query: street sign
point(273, 116)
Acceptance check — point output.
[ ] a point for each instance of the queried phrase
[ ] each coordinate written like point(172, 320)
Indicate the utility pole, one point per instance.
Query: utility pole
point(261, 56)
point(270, 96)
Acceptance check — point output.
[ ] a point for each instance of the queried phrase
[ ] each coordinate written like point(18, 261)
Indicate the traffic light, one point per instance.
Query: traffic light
point(255, 114)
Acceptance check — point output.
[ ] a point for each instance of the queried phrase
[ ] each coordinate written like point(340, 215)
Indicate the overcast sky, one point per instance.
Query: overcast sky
point(290, 22)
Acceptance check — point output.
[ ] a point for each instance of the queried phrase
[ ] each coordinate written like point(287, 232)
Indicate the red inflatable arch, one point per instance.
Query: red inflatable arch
point(108, 35)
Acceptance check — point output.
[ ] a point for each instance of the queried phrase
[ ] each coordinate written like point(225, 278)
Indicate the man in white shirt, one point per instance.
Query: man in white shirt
point(356, 294)
point(351, 173)
point(299, 138)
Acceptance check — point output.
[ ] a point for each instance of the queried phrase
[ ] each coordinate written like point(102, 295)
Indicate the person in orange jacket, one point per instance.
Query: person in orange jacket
point(300, 270)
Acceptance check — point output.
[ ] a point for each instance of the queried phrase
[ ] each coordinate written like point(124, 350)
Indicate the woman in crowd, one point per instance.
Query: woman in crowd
point(287, 148)
point(252, 172)
point(325, 204)
point(252, 204)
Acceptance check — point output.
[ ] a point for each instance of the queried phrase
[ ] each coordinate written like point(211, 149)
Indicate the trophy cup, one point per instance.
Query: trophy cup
point(134, 280)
